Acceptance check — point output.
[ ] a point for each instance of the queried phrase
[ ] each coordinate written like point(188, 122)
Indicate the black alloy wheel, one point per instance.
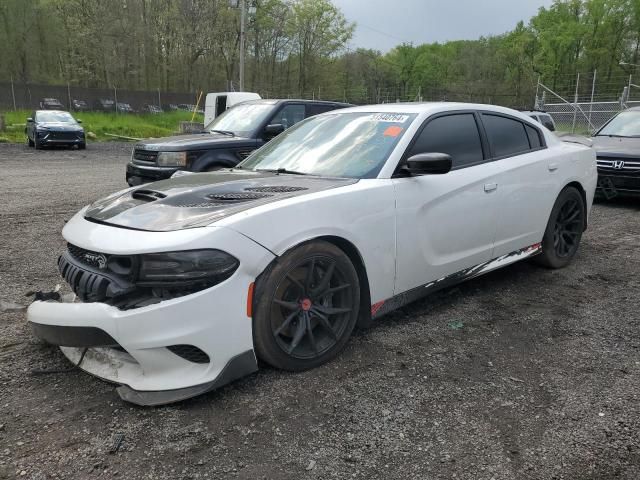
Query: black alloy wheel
point(307, 307)
point(564, 230)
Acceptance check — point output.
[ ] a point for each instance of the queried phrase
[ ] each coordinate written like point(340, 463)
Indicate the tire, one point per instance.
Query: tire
point(82, 146)
point(36, 143)
point(564, 230)
point(29, 142)
point(300, 320)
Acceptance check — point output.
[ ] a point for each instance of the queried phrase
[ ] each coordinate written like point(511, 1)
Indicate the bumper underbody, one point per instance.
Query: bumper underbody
point(138, 175)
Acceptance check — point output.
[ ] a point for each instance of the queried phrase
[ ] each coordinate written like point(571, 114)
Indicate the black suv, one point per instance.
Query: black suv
point(229, 139)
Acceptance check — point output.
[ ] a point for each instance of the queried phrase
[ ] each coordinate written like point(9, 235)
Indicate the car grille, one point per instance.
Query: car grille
point(89, 286)
point(144, 157)
point(62, 135)
point(619, 164)
point(90, 278)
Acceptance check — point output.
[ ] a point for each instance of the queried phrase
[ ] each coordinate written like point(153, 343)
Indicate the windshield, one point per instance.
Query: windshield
point(242, 119)
point(354, 145)
point(626, 124)
point(56, 117)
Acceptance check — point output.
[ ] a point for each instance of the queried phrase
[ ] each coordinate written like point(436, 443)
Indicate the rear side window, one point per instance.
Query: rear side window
point(506, 135)
point(456, 135)
point(534, 137)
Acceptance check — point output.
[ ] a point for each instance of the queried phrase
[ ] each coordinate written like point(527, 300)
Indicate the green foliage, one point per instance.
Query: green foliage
point(298, 47)
point(128, 125)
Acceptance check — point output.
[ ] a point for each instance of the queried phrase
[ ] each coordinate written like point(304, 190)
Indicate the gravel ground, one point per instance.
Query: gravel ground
point(524, 373)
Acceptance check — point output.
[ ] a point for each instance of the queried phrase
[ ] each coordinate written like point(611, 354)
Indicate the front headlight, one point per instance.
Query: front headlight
point(185, 268)
point(172, 159)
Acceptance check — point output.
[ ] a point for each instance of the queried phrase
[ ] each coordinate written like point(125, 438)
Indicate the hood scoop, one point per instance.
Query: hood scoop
point(147, 195)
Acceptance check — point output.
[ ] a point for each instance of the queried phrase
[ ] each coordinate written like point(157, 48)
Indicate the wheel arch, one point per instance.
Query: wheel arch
point(223, 158)
point(351, 251)
point(578, 186)
point(364, 316)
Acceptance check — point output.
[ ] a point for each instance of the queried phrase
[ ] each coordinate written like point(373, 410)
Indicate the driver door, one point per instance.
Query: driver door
point(446, 223)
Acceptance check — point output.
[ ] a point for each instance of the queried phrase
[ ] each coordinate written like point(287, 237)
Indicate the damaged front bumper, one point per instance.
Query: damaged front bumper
point(137, 348)
point(169, 350)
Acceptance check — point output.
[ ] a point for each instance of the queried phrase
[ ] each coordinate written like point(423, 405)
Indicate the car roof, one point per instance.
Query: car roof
point(429, 107)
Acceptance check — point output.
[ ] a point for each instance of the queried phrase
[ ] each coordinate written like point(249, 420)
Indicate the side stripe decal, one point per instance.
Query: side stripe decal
point(383, 307)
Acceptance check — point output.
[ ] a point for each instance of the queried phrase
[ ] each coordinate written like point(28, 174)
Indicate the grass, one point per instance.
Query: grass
point(128, 125)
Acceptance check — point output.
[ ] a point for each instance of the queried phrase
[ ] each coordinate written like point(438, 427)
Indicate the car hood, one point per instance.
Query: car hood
point(200, 199)
point(193, 142)
point(60, 126)
point(615, 146)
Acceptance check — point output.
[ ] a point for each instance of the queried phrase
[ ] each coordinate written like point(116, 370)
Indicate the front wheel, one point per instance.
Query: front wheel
point(29, 141)
point(306, 306)
point(564, 230)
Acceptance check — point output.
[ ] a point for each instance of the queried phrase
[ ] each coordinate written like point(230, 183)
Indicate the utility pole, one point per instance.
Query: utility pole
point(242, 35)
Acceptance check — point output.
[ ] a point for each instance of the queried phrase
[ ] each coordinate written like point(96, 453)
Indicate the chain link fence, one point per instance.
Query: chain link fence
point(583, 111)
point(15, 96)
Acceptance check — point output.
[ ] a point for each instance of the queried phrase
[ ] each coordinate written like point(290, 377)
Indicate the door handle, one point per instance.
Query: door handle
point(490, 187)
point(552, 167)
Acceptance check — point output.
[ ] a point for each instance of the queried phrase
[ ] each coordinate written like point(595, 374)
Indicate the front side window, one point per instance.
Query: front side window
point(288, 116)
point(354, 145)
point(241, 119)
point(626, 124)
point(506, 136)
point(456, 135)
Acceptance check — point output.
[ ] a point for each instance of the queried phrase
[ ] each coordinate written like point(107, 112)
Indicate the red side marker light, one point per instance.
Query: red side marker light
point(250, 300)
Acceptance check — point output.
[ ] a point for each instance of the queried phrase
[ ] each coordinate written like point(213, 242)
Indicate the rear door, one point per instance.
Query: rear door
point(446, 223)
point(525, 178)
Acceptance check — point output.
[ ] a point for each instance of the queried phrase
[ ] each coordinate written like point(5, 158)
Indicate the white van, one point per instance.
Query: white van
point(217, 103)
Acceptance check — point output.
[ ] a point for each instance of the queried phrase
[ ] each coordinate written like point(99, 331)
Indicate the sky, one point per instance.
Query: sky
point(383, 24)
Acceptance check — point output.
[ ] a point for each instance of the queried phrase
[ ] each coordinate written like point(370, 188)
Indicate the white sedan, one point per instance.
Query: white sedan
point(183, 284)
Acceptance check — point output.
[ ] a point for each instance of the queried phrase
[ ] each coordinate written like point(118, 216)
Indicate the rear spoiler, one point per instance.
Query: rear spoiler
point(573, 138)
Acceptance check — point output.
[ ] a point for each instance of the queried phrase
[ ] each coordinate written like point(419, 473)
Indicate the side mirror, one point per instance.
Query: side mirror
point(273, 129)
point(29, 120)
point(78, 120)
point(428, 164)
point(549, 126)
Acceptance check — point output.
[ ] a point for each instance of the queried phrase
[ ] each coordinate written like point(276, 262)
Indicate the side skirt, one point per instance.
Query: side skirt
point(385, 306)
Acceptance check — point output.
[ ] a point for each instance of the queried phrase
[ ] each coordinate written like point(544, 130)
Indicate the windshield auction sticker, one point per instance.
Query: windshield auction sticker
point(389, 117)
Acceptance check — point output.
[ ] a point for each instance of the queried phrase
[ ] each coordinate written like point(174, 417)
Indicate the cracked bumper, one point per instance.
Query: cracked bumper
point(129, 347)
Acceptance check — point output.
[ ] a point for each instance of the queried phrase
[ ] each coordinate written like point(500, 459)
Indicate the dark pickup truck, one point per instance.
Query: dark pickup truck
point(228, 140)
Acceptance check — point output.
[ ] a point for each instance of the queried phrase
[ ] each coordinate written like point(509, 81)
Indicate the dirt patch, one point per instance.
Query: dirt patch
point(524, 373)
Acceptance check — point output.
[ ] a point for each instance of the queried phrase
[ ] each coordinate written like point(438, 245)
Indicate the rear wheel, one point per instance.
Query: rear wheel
point(306, 307)
point(564, 230)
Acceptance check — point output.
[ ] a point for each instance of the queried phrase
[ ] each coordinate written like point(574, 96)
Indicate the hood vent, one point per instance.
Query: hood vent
point(147, 195)
point(237, 197)
point(275, 189)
